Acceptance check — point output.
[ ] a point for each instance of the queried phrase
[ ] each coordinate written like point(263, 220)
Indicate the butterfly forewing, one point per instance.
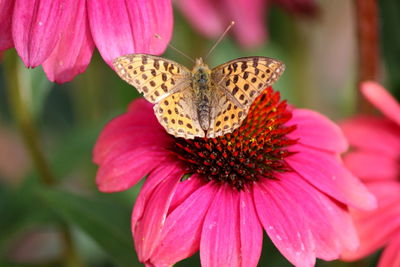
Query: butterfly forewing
point(237, 84)
point(245, 78)
point(153, 76)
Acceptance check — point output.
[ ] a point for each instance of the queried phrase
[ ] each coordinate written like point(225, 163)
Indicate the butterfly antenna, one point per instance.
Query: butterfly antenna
point(220, 38)
point(176, 49)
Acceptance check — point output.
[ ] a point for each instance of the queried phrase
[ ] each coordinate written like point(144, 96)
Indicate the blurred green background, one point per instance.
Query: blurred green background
point(321, 57)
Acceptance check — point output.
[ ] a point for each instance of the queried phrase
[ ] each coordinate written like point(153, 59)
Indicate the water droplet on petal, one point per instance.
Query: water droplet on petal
point(212, 225)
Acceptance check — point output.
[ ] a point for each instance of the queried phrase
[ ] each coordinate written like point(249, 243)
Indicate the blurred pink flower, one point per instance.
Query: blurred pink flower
point(211, 17)
point(279, 171)
point(376, 160)
point(61, 35)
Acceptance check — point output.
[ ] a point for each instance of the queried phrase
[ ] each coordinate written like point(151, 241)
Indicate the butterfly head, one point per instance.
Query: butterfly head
point(200, 66)
point(201, 72)
point(199, 62)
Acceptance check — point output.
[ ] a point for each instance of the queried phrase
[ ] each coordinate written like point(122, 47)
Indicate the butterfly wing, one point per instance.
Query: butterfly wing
point(177, 113)
point(238, 83)
point(155, 77)
point(226, 116)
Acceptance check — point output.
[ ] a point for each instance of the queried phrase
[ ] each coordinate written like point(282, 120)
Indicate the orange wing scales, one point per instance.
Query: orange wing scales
point(240, 82)
point(178, 115)
point(232, 89)
point(153, 76)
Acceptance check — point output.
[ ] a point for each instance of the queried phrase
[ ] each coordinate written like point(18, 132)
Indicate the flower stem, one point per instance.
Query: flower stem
point(70, 253)
point(368, 43)
point(368, 39)
point(21, 112)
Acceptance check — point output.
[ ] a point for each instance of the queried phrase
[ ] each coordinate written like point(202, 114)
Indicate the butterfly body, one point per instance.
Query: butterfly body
point(202, 102)
point(202, 93)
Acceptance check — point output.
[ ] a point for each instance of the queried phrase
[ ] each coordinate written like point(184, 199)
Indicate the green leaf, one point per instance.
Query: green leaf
point(19, 211)
point(74, 150)
point(8, 263)
point(106, 222)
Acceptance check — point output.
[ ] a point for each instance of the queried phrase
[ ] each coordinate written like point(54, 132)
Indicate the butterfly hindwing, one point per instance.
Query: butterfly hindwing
point(178, 115)
point(226, 116)
point(245, 78)
point(153, 76)
point(237, 84)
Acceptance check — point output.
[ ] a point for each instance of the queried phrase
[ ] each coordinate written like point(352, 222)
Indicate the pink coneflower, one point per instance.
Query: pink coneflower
point(61, 35)
point(279, 171)
point(376, 160)
point(210, 17)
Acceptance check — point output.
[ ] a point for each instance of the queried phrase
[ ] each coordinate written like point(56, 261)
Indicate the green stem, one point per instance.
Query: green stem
point(70, 253)
point(20, 107)
point(24, 119)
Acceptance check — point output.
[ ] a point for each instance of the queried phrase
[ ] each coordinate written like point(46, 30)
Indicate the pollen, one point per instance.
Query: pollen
point(256, 150)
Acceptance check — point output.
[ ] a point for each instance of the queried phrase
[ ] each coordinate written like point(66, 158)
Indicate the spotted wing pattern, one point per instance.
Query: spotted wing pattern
point(226, 116)
point(177, 113)
point(155, 77)
point(240, 81)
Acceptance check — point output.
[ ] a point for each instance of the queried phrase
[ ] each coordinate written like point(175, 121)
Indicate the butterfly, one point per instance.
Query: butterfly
point(203, 102)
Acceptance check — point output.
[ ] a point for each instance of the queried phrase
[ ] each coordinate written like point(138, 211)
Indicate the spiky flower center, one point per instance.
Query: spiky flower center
point(255, 150)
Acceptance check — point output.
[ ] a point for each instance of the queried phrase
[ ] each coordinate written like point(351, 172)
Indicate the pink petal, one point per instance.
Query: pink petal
point(250, 20)
point(250, 230)
point(386, 219)
point(220, 238)
point(152, 181)
point(137, 127)
point(196, 10)
point(385, 191)
point(37, 27)
point(122, 27)
point(338, 216)
point(374, 134)
point(382, 100)
point(284, 222)
point(6, 14)
point(391, 256)
point(72, 54)
point(372, 166)
point(109, 146)
point(124, 171)
point(143, 107)
point(147, 229)
point(180, 237)
point(326, 173)
point(185, 189)
point(317, 131)
point(302, 221)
